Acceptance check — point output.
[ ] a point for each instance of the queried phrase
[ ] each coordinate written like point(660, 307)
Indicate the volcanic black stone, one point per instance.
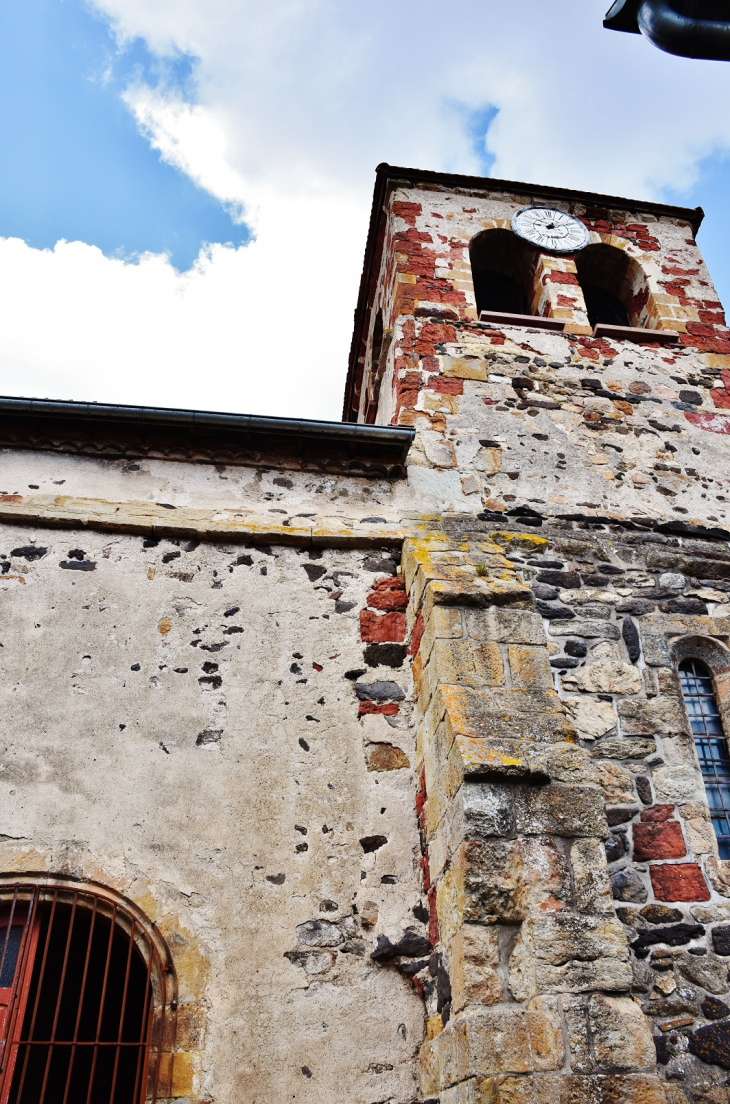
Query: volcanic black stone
point(643, 789)
point(630, 634)
point(712, 1044)
point(29, 552)
point(385, 655)
point(684, 605)
point(563, 663)
point(413, 967)
point(546, 593)
point(663, 1053)
point(565, 579)
point(692, 397)
point(314, 571)
point(379, 691)
point(674, 936)
point(616, 848)
point(714, 1009)
point(373, 843)
point(637, 607)
point(619, 816)
point(576, 648)
point(409, 945)
point(721, 940)
point(555, 613)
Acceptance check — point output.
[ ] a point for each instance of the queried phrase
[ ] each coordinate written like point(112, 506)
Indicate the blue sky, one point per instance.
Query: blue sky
point(75, 165)
point(131, 129)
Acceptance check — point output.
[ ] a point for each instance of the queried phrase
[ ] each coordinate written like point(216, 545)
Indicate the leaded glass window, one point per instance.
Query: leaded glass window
point(712, 751)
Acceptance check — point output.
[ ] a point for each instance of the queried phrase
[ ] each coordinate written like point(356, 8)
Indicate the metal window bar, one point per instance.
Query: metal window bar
point(87, 1015)
point(712, 750)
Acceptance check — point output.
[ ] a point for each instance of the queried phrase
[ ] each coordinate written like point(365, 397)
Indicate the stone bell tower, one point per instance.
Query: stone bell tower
point(565, 363)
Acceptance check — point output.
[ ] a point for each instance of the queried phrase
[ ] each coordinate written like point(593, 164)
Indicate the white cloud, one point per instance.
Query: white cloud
point(297, 101)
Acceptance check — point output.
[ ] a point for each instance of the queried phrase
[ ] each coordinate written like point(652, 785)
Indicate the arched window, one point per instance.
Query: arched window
point(712, 751)
point(84, 996)
point(614, 287)
point(501, 265)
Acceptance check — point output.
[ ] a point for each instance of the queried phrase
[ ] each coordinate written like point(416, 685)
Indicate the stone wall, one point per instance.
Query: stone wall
point(571, 863)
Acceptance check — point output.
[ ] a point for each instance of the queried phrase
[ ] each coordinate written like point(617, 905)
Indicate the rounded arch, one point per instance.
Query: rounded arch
point(88, 995)
point(614, 286)
point(503, 268)
point(707, 650)
point(701, 663)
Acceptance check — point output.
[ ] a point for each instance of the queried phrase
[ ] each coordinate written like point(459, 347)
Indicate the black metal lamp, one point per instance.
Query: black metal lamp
point(689, 28)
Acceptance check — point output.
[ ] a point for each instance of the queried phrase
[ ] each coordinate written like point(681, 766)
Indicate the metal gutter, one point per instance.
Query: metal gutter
point(28, 415)
point(390, 176)
point(675, 32)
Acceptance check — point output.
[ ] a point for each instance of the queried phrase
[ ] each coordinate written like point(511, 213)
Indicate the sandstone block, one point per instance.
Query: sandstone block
point(620, 1035)
point(678, 783)
point(609, 974)
point(521, 542)
point(617, 784)
point(506, 714)
point(464, 367)
point(514, 1041)
point(530, 666)
point(656, 649)
point(517, 1090)
point(613, 1089)
point(641, 717)
point(662, 840)
point(569, 764)
point(494, 885)
point(474, 960)
point(615, 747)
point(560, 810)
point(679, 882)
point(488, 810)
point(546, 872)
point(523, 968)
point(718, 875)
point(504, 626)
point(607, 677)
point(467, 663)
point(590, 877)
point(441, 624)
point(438, 1062)
point(566, 936)
point(590, 629)
point(592, 718)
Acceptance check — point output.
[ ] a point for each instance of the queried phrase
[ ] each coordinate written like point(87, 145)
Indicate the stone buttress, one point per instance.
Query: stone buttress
point(513, 827)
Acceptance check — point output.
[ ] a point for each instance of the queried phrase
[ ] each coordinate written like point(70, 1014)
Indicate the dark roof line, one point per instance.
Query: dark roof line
point(392, 442)
point(389, 175)
point(692, 215)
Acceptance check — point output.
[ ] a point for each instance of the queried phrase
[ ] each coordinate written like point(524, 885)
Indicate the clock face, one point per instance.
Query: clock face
point(550, 230)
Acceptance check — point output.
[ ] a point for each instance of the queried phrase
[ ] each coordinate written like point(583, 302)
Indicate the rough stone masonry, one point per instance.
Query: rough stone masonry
point(379, 727)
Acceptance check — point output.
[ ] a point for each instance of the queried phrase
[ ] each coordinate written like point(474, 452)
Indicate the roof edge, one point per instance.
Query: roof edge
point(392, 442)
point(693, 215)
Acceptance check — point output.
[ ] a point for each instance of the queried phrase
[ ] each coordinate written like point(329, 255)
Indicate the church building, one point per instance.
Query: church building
point(385, 761)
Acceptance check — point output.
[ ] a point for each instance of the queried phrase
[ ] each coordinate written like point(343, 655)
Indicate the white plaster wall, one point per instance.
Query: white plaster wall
point(101, 777)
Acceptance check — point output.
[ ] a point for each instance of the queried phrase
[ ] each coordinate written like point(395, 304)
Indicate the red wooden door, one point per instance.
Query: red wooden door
point(18, 941)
